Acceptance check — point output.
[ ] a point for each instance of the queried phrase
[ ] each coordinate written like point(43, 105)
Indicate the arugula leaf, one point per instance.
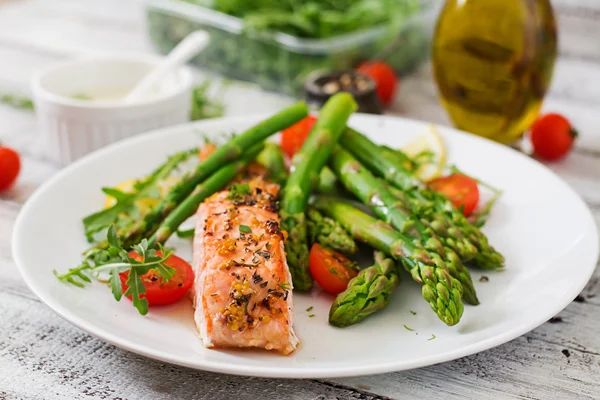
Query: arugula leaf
point(112, 238)
point(115, 284)
point(165, 272)
point(142, 248)
point(73, 274)
point(100, 220)
point(119, 195)
point(136, 289)
point(116, 260)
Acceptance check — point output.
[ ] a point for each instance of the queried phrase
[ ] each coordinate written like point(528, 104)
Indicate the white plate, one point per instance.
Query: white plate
point(540, 224)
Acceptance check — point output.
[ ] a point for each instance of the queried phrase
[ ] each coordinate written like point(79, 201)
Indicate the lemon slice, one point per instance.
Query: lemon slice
point(145, 203)
point(430, 150)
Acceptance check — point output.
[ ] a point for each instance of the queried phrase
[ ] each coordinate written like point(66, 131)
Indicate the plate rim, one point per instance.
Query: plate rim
point(293, 372)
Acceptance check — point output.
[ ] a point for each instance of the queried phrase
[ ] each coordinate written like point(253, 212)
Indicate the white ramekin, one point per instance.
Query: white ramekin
point(73, 128)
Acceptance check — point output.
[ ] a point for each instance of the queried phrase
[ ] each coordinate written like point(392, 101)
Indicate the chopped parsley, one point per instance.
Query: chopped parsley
point(309, 309)
point(245, 229)
point(412, 312)
point(238, 191)
point(311, 315)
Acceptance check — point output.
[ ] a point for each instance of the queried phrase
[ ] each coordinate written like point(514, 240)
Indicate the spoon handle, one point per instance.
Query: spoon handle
point(183, 52)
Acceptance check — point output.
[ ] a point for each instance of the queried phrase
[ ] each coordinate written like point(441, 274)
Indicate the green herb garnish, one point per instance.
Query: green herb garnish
point(238, 191)
point(285, 285)
point(245, 229)
point(480, 217)
point(432, 337)
point(203, 106)
point(408, 329)
point(309, 309)
point(81, 96)
point(17, 101)
point(116, 260)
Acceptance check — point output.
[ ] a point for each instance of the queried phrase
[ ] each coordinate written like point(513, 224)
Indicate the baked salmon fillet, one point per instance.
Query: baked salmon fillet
point(242, 289)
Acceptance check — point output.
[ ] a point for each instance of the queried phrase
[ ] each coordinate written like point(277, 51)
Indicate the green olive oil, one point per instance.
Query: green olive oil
point(493, 62)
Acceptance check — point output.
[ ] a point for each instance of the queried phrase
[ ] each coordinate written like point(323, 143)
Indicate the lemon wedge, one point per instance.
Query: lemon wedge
point(145, 203)
point(430, 150)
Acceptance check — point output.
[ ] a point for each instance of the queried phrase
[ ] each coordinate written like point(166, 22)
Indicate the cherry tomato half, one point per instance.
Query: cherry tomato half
point(10, 165)
point(385, 78)
point(293, 138)
point(460, 189)
point(552, 137)
point(331, 270)
point(159, 292)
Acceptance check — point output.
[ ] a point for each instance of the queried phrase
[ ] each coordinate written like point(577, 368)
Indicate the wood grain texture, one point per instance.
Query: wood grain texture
point(44, 357)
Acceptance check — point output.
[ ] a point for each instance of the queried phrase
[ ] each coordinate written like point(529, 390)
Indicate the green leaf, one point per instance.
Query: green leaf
point(135, 290)
point(126, 203)
point(112, 237)
point(115, 284)
point(116, 193)
point(245, 229)
point(285, 285)
point(142, 248)
point(165, 271)
point(75, 276)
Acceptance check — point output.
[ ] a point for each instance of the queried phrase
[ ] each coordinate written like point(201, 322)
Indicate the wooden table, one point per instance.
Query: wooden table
point(44, 357)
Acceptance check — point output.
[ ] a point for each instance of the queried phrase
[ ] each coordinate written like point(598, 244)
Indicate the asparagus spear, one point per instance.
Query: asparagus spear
point(210, 186)
point(321, 229)
point(329, 184)
point(273, 160)
point(307, 163)
point(368, 292)
point(358, 180)
point(230, 151)
point(439, 289)
point(428, 205)
point(328, 233)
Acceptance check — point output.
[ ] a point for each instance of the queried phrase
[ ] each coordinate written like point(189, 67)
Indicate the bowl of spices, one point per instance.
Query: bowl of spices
point(321, 85)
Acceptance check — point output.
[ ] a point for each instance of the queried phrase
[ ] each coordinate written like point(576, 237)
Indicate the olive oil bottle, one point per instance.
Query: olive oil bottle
point(493, 62)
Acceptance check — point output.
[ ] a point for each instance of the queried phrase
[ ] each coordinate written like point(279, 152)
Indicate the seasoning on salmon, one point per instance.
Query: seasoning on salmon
point(243, 290)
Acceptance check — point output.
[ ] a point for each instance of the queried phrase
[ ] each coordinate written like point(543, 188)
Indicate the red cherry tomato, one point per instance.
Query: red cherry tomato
point(159, 292)
point(385, 79)
point(293, 138)
point(206, 150)
point(10, 165)
point(552, 137)
point(460, 189)
point(331, 270)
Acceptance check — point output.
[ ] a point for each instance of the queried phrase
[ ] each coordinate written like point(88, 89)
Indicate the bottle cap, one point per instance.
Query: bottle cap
point(321, 85)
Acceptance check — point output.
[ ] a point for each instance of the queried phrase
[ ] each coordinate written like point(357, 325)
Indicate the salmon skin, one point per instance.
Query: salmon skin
point(243, 287)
